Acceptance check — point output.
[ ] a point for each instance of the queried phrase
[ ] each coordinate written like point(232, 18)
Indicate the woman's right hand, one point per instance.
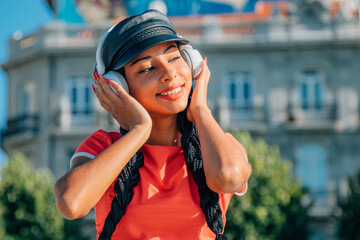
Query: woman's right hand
point(82, 187)
point(122, 106)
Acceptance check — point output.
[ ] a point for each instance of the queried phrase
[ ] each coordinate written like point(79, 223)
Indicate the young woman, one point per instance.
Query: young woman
point(171, 171)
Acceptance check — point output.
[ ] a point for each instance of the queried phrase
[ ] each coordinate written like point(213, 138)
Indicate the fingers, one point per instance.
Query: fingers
point(199, 97)
point(106, 96)
point(106, 92)
point(102, 103)
point(110, 87)
point(206, 70)
point(203, 79)
point(118, 89)
point(103, 85)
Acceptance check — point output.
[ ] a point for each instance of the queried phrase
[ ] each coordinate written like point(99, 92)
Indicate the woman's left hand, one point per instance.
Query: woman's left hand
point(199, 97)
point(225, 165)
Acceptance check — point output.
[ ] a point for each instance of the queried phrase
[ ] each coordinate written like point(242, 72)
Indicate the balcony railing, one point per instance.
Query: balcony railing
point(246, 113)
point(235, 29)
point(322, 202)
point(22, 123)
point(70, 120)
point(240, 115)
point(306, 114)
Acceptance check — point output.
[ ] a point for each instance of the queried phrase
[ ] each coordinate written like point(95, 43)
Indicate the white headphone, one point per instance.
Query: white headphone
point(191, 56)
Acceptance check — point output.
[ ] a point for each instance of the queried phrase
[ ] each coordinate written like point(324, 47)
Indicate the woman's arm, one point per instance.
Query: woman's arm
point(225, 163)
point(83, 186)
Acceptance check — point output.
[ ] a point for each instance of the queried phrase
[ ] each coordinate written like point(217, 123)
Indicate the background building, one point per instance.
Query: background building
point(287, 72)
point(13, 18)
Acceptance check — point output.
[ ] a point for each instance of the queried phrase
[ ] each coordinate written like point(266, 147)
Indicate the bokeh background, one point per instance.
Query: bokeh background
point(285, 81)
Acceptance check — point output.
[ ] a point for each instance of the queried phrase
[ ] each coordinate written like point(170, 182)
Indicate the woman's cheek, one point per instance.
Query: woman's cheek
point(185, 70)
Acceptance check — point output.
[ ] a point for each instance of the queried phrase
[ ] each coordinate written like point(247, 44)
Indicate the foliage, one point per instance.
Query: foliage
point(271, 208)
point(27, 204)
point(349, 221)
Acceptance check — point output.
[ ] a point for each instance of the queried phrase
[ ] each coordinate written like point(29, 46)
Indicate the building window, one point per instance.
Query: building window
point(311, 90)
point(80, 98)
point(239, 103)
point(311, 169)
point(240, 89)
point(27, 101)
point(80, 95)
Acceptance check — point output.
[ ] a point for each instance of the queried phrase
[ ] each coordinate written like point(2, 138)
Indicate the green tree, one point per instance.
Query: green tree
point(271, 208)
point(349, 221)
point(27, 204)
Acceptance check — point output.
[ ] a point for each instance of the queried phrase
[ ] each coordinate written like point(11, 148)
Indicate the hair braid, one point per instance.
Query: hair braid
point(209, 200)
point(127, 180)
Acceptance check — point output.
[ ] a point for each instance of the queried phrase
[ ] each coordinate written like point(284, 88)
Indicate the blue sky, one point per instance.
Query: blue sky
point(17, 15)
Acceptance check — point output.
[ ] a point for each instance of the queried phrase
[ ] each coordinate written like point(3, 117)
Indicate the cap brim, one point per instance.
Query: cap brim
point(144, 45)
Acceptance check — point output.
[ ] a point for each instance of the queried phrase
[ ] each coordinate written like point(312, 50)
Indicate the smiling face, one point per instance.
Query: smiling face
point(160, 79)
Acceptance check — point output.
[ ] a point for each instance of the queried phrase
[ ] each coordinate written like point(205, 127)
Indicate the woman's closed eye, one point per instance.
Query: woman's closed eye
point(174, 59)
point(148, 69)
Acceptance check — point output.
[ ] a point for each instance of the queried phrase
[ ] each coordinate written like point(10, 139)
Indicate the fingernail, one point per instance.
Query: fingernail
point(94, 75)
point(93, 88)
point(106, 80)
point(97, 76)
point(205, 59)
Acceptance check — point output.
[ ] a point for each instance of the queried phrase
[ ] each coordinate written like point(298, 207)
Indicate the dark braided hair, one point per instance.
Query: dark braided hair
point(129, 178)
point(209, 200)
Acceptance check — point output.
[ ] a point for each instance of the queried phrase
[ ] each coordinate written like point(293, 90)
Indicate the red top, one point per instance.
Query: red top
point(166, 202)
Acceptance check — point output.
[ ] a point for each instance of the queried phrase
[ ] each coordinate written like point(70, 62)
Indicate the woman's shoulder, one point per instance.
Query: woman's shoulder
point(103, 135)
point(98, 141)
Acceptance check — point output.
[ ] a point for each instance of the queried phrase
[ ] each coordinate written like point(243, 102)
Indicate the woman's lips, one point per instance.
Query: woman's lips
point(172, 93)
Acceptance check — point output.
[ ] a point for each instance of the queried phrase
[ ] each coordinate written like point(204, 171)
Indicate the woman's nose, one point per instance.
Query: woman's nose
point(168, 72)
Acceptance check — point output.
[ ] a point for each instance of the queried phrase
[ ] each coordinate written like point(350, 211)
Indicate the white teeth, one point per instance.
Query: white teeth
point(176, 90)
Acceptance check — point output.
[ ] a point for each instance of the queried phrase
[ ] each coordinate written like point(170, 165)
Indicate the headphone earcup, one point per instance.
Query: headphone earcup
point(193, 58)
point(117, 77)
point(100, 68)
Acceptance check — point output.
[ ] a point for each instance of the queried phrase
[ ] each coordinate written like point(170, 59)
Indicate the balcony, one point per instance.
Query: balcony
point(27, 123)
point(81, 122)
point(247, 117)
point(320, 117)
point(323, 202)
point(75, 120)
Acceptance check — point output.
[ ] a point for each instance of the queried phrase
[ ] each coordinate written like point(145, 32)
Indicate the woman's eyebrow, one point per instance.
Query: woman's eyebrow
point(168, 48)
point(140, 59)
point(147, 57)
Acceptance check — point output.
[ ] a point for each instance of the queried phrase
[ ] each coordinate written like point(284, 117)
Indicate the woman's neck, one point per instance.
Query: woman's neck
point(164, 132)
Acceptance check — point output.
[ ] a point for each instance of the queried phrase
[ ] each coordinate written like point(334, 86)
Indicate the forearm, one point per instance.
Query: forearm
point(82, 187)
point(225, 165)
